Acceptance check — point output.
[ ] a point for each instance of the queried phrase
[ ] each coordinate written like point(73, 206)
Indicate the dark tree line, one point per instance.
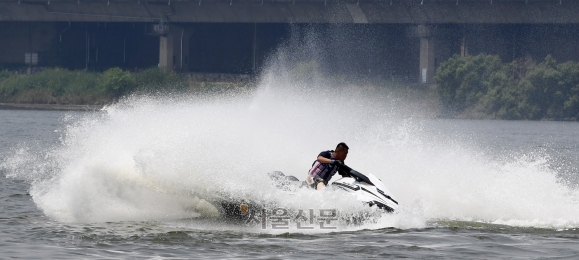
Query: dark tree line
point(483, 86)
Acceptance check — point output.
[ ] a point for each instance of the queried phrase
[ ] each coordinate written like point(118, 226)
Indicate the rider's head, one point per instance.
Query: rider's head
point(341, 151)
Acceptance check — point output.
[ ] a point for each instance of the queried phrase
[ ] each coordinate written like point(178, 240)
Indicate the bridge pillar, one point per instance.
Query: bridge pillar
point(427, 68)
point(427, 53)
point(166, 51)
point(174, 48)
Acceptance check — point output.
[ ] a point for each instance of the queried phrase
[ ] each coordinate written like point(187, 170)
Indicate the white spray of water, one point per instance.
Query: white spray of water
point(164, 158)
point(161, 159)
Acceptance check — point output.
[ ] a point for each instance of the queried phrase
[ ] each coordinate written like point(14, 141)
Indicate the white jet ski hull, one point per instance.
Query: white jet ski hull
point(374, 194)
point(366, 188)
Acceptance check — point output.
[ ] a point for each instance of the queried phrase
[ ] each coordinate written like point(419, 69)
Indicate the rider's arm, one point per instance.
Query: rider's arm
point(322, 159)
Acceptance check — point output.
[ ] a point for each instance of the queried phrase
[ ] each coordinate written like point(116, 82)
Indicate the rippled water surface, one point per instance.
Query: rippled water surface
point(136, 181)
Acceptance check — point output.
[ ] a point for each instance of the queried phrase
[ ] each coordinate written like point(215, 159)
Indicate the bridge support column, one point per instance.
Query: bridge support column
point(427, 52)
point(166, 51)
point(174, 48)
point(427, 68)
point(463, 46)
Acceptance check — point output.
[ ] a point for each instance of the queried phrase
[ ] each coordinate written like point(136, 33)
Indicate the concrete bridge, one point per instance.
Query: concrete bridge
point(294, 11)
point(408, 37)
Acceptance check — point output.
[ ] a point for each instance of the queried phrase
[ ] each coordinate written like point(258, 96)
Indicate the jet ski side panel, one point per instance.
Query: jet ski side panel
point(367, 193)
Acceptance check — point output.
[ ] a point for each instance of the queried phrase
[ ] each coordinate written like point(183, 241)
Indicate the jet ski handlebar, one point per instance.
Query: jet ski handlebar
point(356, 175)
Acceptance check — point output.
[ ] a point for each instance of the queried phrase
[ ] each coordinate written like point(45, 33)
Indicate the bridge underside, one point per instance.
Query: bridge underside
point(391, 39)
point(294, 11)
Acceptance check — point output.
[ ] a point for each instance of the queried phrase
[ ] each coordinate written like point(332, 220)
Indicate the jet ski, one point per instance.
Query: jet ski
point(367, 189)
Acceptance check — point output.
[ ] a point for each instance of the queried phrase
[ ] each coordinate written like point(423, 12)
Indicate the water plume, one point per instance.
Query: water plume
point(167, 158)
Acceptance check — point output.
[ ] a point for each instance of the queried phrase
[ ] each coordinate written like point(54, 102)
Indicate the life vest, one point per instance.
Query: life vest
point(323, 171)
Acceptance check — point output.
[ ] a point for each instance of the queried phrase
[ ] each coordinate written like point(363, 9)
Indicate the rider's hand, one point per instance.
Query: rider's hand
point(337, 162)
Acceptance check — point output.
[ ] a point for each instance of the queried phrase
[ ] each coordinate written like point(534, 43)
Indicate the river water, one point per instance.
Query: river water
point(136, 179)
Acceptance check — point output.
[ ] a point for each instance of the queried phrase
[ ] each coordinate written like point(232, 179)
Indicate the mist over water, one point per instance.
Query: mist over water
point(167, 158)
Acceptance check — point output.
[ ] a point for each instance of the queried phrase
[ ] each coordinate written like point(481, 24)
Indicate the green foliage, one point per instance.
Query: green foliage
point(465, 80)
point(154, 79)
point(569, 85)
point(5, 74)
point(61, 86)
point(49, 86)
point(485, 87)
point(118, 81)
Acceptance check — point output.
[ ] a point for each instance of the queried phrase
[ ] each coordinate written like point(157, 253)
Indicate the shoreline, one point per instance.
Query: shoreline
point(56, 107)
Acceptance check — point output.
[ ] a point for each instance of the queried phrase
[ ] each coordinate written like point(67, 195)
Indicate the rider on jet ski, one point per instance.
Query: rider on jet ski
point(327, 164)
